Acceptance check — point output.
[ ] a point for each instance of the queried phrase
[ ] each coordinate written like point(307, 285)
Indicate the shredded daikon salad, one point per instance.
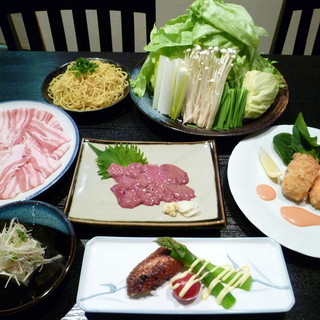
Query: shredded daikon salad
point(20, 253)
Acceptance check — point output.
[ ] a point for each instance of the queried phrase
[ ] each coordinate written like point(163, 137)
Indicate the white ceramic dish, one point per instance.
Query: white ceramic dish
point(69, 127)
point(198, 159)
point(107, 262)
point(245, 173)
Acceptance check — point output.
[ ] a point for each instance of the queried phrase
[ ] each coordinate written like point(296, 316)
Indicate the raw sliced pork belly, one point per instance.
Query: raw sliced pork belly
point(149, 184)
point(32, 143)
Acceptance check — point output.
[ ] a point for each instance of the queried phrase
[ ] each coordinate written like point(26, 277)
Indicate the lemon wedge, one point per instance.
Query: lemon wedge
point(269, 165)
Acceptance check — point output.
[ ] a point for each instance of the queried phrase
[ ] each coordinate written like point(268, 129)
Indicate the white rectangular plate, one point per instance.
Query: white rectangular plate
point(91, 201)
point(108, 261)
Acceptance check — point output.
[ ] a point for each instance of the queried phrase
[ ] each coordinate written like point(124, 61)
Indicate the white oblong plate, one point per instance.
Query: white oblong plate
point(107, 262)
point(69, 127)
point(245, 173)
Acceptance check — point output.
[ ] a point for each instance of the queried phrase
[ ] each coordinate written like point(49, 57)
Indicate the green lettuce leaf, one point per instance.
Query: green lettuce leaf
point(231, 19)
point(207, 23)
point(122, 154)
point(263, 88)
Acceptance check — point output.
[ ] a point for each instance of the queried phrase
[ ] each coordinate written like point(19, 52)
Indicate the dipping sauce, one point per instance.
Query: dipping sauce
point(300, 217)
point(266, 192)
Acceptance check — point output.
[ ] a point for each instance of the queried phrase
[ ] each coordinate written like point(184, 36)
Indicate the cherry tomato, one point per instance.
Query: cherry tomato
point(191, 293)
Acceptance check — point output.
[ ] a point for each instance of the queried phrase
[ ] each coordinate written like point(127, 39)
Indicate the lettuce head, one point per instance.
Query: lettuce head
point(206, 23)
point(262, 89)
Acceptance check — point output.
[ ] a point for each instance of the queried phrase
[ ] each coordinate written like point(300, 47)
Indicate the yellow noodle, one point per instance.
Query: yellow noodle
point(91, 91)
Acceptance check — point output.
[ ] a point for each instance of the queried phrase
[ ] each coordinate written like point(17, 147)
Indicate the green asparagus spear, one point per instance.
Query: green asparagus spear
point(181, 253)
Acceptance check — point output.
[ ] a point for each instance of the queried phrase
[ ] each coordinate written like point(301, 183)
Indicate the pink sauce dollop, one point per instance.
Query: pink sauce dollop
point(300, 217)
point(266, 192)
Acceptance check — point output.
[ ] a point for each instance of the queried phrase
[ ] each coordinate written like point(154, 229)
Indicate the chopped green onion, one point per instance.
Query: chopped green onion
point(83, 66)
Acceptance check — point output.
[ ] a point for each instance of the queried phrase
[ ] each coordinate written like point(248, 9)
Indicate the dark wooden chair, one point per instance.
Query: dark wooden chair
point(27, 8)
point(307, 9)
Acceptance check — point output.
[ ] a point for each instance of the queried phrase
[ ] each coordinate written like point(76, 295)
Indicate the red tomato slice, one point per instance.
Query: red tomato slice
point(191, 293)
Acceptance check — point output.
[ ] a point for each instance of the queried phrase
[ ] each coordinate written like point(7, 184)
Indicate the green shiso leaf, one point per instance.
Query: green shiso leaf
point(121, 154)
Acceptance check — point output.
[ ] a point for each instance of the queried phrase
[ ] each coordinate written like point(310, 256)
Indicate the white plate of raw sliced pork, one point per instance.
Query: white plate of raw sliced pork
point(38, 143)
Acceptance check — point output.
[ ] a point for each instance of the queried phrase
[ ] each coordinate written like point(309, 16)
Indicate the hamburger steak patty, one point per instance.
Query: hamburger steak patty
point(152, 272)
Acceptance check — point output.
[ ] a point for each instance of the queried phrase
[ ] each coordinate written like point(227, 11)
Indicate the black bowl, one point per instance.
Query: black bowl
point(85, 113)
point(52, 228)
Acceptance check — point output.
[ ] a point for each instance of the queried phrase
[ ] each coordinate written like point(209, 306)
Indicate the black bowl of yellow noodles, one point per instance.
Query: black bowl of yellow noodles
point(87, 85)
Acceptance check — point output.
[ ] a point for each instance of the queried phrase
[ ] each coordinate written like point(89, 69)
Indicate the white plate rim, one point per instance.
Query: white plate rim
point(263, 215)
point(67, 159)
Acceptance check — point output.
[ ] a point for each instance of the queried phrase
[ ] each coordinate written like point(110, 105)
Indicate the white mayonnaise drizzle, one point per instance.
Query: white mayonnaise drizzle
point(240, 277)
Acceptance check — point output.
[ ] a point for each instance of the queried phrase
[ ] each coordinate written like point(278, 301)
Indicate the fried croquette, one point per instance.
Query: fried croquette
point(301, 174)
point(314, 195)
